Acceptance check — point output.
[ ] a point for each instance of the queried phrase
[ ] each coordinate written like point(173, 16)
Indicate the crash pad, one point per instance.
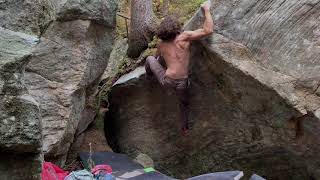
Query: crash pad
point(118, 162)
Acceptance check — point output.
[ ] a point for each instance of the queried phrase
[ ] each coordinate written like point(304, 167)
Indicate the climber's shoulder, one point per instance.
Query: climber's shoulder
point(182, 40)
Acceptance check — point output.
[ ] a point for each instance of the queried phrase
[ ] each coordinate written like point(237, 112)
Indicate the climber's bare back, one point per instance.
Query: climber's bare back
point(176, 53)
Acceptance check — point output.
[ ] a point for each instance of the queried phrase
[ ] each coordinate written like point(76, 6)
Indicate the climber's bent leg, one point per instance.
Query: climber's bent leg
point(152, 66)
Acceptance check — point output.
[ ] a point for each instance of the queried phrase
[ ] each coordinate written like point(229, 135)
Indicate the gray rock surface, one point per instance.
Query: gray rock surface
point(66, 66)
point(20, 126)
point(144, 160)
point(117, 57)
point(283, 36)
point(91, 123)
point(40, 109)
point(28, 16)
point(62, 73)
point(247, 90)
point(100, 11)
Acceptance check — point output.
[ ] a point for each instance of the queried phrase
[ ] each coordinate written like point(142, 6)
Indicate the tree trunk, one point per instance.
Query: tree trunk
point(142, 27)
point(165, 7)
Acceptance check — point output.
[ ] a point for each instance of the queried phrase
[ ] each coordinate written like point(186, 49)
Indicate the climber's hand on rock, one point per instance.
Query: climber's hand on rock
point(205, 7)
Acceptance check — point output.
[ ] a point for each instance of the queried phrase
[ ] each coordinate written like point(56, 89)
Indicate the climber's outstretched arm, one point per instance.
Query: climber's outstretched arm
point(200, 33)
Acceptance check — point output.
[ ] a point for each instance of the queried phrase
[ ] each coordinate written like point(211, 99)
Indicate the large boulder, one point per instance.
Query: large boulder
point(283, 36)
point(64, 72)
point(254, 101)
point(28, 16)
point(20, 126)
point(100, 11)
point(118, 58)
point(63, 68)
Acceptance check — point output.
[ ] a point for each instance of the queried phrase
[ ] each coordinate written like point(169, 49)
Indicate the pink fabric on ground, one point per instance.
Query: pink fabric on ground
point(52, 172)
point(101, 168)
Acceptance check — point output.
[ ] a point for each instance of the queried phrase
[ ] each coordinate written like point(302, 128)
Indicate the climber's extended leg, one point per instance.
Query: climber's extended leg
point(181, 86)
point(182, 90)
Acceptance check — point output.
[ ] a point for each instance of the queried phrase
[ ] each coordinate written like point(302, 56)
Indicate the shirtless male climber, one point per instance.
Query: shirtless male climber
point(175, 50)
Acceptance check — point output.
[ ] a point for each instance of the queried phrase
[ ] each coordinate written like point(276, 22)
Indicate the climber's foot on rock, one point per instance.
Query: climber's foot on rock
point(184, 131)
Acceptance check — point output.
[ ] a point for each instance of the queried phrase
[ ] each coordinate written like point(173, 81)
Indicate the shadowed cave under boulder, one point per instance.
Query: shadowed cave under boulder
point(255, 102)
point(238, 123)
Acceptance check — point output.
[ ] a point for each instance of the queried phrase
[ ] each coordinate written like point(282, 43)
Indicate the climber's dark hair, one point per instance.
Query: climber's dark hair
point(169, 28)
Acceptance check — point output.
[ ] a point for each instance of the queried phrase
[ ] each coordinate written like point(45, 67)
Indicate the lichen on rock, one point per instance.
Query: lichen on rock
point(49, 69)
point(62, 75)
point(20, 123)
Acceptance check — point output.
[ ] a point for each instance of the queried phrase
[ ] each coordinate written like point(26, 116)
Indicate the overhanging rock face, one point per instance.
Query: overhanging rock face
point(248, 112)
point(281, 35)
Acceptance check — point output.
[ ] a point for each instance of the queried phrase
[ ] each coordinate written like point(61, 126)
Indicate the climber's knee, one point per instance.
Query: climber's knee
point(150, 58)
point(147, 66)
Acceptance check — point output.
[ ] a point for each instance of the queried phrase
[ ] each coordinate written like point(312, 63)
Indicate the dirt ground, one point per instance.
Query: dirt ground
point(96, 137)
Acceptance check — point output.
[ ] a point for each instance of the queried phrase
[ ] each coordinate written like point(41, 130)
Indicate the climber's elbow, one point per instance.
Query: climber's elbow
point(209, 31)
